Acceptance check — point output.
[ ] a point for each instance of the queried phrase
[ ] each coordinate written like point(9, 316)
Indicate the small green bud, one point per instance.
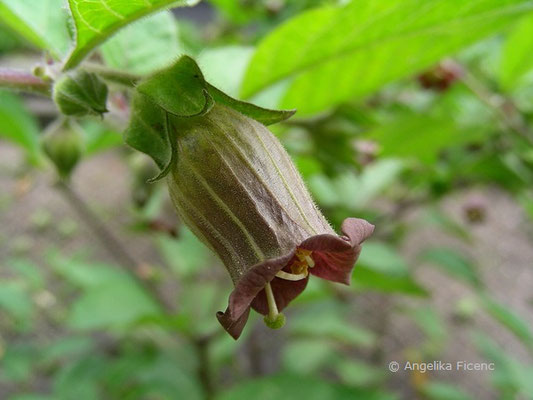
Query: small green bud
point(64, 147)
point(275, 323)
point(81, 93)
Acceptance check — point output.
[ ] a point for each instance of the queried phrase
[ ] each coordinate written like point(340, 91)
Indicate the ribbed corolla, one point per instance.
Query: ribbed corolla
point(235, 186)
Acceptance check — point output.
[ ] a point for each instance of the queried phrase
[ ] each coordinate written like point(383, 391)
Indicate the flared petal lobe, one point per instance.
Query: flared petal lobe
point(334, 259)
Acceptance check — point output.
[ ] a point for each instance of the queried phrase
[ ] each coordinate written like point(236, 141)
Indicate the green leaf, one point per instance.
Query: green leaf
point(115, 304)
point(358, 373)
point(98, 137)
point(43, 23)
point(80, 379)
point(144, 46)
point(517, 56)
point(110, 298)
point(186, 256)
point(511, 377)
point(289, 386)
point(332, 54)
point(510, 320)
point(224, 67)
point(430, 322)
point(420, 137)
point(95, 21)
point(18, 362)
point(381, 268)
point(307, 356)
point(16, 301)
point(368, 279)
point(382, 258)
point(18, 126)
point(27, 270)
point(66, 347)
point(443, 391)
point(30, 397)
point(352, 190)
point(333, 326)
point(453, 263)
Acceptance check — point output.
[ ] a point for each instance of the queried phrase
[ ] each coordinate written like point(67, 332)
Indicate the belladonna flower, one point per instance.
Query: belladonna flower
point(236, 188)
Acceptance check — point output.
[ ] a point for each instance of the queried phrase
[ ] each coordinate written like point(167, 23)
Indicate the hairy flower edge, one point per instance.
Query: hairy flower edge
point(334, 258)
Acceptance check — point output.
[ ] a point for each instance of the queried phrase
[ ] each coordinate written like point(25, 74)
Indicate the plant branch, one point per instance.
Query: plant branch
point(113, 75)
point(111, 243)
point(23, 81)
point(202, 345)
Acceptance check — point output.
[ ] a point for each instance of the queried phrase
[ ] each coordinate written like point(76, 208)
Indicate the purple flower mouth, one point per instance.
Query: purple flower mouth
point(269, 286)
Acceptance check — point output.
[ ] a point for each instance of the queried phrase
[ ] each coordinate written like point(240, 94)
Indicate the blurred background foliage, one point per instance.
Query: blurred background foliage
point(414, 115)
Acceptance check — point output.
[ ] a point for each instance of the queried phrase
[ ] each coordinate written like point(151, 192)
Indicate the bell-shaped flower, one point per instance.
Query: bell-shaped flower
point(235, 186)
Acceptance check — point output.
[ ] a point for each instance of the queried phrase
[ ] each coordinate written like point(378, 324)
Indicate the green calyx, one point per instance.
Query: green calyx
point(80, 93)
point(63, 145)
point(173, 94)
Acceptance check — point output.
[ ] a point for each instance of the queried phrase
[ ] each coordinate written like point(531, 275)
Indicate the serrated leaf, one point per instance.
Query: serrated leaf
point(43, 23)
point(336, 53)
point(517, 55)
point(144, 46)
point(96, 20)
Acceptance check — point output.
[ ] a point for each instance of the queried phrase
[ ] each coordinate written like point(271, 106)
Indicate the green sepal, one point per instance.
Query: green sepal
point(147, 130)
point(63, 145)
point(80, 93)
point(179, 89)
point(177, 92)
point(264, 115)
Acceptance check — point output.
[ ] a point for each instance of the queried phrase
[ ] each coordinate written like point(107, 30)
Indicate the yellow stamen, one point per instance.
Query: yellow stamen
point(299, 268)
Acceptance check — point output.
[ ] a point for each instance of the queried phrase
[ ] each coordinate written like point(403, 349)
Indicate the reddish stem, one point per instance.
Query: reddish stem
point(24, 81)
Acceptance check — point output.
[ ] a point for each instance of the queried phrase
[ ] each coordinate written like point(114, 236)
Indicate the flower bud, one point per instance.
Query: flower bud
point(235, 186)
point(80, 93)
point(64, 147)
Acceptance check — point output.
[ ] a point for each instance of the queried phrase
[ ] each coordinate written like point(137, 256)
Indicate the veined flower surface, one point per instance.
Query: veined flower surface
point(235, 186)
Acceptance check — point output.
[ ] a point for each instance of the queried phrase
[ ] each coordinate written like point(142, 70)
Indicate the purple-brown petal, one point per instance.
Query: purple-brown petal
point(246, 289)
point(335, 256)
point(284, 292)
